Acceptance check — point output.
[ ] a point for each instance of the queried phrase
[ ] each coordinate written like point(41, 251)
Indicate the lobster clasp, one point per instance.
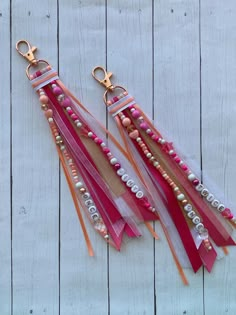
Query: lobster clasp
point(28, 55)
point(106, 80)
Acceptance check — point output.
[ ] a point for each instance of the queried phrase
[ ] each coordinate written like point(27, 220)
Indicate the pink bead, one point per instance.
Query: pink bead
point(184, 167)
point(173, 155)
point(151, 134)
point(99, 141)
point(117, 166)
point(131, 106)
point(106, 150)
point(70, 112)
point(195, 182)
point(66, 102)
point(136, 113)
point(144, 126)
point(147, 205)
point(43, 99)
point(177, 160)
point(126, 122)
point(93, 136)
point(134, 134)
point(115, 99)
point(74, 117)
point(57, 91)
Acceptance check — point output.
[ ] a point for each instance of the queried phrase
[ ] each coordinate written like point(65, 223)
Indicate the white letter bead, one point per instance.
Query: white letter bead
point(221, 207)
point(95, 216)
point(180, 197)
point(86, 195)
point(88, 202)
point(210, 198)
point(134, 189)
point(191, 177)
point(79, 185)
point(130, 183)
point(121, 171)
point(199, 187)
point(204, 192)
point(139, 194)
point(92, 209)
point(196, 220)
point(188, 207)
point(191, 214)
point(113, 161)
point(215, 203)
point(125, 177)
point(200, 227)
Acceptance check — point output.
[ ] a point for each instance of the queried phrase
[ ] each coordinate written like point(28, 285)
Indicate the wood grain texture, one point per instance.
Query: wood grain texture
point(84, 279)
point(177, 112)
point(5, 162)
point(178, 59)
point(35, 190)
point(129, 52)
point(218, 47)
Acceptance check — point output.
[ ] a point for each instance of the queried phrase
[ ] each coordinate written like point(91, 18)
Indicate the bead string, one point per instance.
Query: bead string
point(169, 149)
point(121, 172)
point(188, 208)
point(78, 184)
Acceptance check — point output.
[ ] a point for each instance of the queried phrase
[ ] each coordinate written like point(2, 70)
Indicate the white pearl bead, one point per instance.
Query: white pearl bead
point(68, 108)
point(138, 139)
point(191, 177)
point(181, 162)
point(79, 185)
point(113, 161)
point(90, 134)
point(50, 119)
point(132, 110)
point(171, 152)
point(103, 144)
point(180, 197)
point(62, 147)
point(148, 131)
point(176, 188)
point(79, 124)
point(148, 155)
point(58, 137)
point(163, 141)
point(155, 163)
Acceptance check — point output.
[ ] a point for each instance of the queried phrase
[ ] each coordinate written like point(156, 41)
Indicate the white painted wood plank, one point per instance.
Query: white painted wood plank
point(5, 178)
point(177, 111)
point(83, 279)
point(129, 57)
point(218, 46)
point(35, 171)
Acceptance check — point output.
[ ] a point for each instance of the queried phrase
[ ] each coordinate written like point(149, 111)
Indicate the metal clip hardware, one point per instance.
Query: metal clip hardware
point(29, 55)
point(106, 80)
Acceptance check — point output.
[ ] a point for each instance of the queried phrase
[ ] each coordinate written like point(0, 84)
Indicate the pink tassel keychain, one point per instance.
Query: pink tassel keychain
point(200, 218)
point(101, 180)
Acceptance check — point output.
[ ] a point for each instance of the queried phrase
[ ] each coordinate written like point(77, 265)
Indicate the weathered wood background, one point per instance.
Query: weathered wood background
point(179, 59)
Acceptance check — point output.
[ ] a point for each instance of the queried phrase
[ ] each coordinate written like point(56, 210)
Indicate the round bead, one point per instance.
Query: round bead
point(163, 141)
point(138, 139)
point(43, 99)
point(79, 185)
point(149, 155)
point(134, 134)
point(79, 124)
point(90, 134)
point(195, 182)
point(176, 188)
point(148, 131)
point(144, 125)
point(136, 113)
point(50, 119)
point(180, 197)
point(126, 122)
point(171, 152)
point(117, 166)
point(57, 91)
point(66, 102)
point(103, 144)
point(113, 161)
point(155, 163)
point(191, 177)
